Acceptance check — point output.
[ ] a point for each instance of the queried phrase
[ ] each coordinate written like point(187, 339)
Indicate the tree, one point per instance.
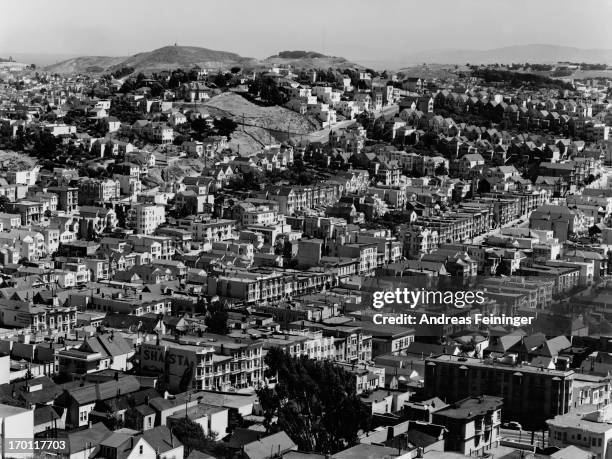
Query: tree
point(123, 72)
point(157, 90)
point(222, 79)
point(287, 249)
point(279, 245)
point(216, 319)
point(268, 90)
point(3, 203)
point(315, 403)
point(130, 418)
point(45, 145)
point(190, 434)
point(225, 126)
point(200, 128)
point(441, 169)
point(121, 217)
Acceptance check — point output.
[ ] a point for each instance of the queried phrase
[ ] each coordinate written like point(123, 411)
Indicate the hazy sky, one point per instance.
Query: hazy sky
point(366, 29)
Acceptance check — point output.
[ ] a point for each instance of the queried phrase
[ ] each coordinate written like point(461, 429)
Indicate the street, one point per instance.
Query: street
point(322, 135)
point(522, 222)
point(524, 436)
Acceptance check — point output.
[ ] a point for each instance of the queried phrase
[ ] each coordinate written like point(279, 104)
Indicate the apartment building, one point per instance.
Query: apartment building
point(39, 318)
point(311, 344)
point(93, 190)
point(589, 430)
point(209, 230)
point(352, 343)
point(531, 394)
point(145, 218)
point(473, 424)
point(210, 362)
point(253, 286)
point(68, 197)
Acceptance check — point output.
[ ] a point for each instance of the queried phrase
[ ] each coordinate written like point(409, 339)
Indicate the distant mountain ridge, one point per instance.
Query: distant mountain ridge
point(172, 57)
point(535, 53)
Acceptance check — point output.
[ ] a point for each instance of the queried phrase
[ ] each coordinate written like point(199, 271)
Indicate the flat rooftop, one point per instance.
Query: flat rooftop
point(491, 363)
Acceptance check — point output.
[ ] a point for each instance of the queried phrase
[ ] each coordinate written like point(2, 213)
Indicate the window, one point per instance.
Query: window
point(140, 449)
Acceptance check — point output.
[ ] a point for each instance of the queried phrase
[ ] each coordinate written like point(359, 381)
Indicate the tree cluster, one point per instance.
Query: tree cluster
point(192, 436)
point(315, 403)
point(122, 72)
point(518, 79)
point(266, 88)
point(216, 319)
point(124, 111)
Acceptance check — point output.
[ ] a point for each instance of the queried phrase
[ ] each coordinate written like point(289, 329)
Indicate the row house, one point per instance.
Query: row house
point(352, 343)
point(468, 166)
point(38, 318)
point(458, 226)
point(387, 173)
point(94, 190)
point(255, 286)
point(351, 138)
point(293, 199)
point(93, 221)
point(145, 218)
point(351, 181)
point(209, 230)
point(160, 247)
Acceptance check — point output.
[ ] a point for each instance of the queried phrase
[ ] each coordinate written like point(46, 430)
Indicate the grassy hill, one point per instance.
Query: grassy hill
point(86, 64)
point(258, 125)
point(309, 60)
point(172, 57)
point(166, 58)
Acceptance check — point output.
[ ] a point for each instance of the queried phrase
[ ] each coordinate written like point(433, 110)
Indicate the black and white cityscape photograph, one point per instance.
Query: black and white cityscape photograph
point(337, 229)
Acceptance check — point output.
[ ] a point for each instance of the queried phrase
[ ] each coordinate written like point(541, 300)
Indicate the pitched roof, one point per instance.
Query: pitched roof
point(260, 449)
point(44, 414)
point(161, 439)
point(109, 344)
point(128, 321)
point(79, 441)
point(92, 392)
point(48, 393)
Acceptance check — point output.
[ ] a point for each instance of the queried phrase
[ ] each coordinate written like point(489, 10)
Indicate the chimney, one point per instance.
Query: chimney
point(171, 439)
point(132, 442)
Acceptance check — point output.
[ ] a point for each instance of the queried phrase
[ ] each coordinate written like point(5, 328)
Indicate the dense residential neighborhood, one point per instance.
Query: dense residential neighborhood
point(190, 261)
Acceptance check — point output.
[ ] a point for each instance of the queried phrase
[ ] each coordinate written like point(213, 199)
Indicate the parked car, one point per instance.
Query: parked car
point(512, 425)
